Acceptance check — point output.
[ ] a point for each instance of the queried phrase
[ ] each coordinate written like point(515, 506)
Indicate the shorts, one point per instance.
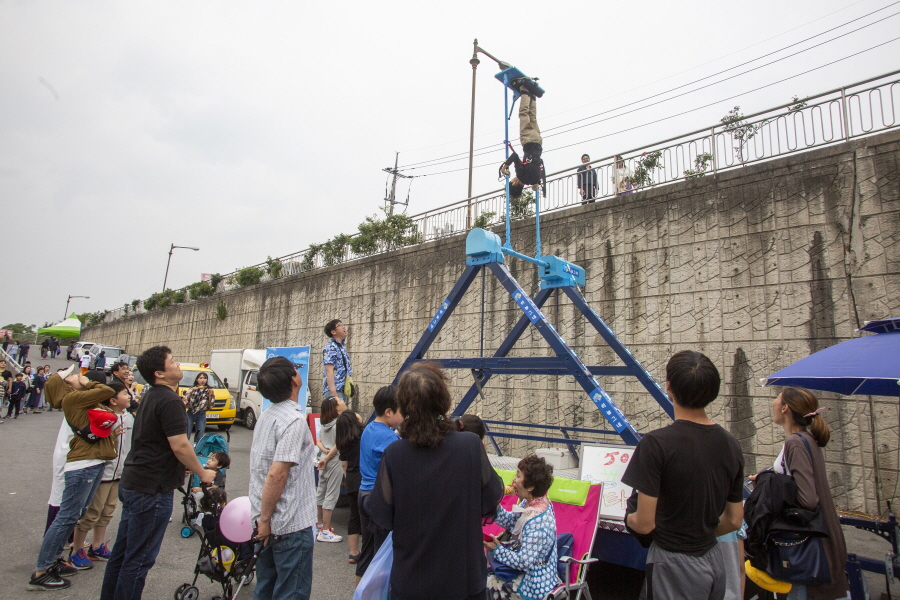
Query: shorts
point(329, 484)
point(102, 508)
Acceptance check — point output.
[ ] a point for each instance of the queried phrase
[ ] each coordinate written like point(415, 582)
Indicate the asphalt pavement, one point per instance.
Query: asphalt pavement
point(26, 448)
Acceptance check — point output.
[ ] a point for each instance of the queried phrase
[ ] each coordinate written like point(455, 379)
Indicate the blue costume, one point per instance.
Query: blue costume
point(534, 552)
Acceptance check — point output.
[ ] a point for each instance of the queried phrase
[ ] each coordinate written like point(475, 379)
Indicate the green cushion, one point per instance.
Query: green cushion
point(569, 491)
point(506, 476)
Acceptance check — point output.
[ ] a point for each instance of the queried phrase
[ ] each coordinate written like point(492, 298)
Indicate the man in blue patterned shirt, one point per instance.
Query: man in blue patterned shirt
point(335, 361)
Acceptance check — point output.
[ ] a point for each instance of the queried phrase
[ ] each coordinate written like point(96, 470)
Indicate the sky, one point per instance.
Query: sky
point(252, 129)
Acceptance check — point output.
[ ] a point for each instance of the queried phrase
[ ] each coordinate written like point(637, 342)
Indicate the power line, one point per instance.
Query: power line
point(686, 111)
point(459, 156)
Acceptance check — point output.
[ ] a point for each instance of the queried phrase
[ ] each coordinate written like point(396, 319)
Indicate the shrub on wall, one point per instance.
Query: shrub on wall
point(248, 276)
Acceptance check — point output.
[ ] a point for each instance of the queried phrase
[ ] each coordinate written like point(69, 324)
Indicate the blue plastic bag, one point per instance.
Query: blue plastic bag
point(376, 583)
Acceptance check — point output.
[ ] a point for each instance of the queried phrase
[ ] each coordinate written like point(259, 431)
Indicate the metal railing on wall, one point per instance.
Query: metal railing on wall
point(852, 111)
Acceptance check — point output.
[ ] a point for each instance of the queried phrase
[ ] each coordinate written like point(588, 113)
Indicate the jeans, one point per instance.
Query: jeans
point(141, 530)
point(81, 485)
point(284, 567)
point(197, 422)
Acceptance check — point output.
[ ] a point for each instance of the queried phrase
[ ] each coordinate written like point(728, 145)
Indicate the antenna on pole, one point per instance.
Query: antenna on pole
point(391, 199)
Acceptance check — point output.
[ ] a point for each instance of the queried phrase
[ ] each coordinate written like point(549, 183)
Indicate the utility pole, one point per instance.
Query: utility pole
point(474, 62)
point(391, 199)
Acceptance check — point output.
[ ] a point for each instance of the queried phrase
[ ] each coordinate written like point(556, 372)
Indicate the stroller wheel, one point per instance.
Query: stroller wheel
point(179, 593)
point(191, 593)
point(187, 532)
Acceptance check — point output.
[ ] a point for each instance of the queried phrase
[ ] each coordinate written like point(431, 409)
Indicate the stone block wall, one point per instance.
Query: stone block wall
point(757, 267)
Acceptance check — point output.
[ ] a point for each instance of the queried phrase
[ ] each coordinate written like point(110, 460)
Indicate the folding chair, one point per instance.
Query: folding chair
point(577, 505)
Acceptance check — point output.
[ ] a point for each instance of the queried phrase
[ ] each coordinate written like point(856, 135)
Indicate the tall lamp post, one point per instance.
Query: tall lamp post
point(475, 62)
point(169, 262)
point(69, 299)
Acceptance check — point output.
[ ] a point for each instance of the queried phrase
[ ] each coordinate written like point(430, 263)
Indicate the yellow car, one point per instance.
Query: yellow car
point(223, 410)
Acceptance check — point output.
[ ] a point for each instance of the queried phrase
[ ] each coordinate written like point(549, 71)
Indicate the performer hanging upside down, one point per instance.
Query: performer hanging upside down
point(530, 169)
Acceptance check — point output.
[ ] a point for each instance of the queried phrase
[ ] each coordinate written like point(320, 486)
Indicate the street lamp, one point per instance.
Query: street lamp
point(66, 315)
point(475, 62)
point(170, 261)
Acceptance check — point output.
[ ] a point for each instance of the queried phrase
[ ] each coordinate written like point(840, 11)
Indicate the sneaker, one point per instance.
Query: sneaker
point(48, 581)
point(318, 527)
point(101, 553)
point(81, 561)
point(62, 568)
point(328, 535)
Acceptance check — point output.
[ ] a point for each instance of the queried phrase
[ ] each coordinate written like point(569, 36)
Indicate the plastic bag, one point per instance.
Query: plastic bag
point(376, 583)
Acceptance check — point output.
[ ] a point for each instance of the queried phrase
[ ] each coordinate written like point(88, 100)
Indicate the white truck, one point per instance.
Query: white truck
point(239, 368)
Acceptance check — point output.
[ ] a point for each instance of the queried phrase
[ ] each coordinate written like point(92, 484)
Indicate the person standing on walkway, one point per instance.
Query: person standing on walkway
point(24, 347)
point(85, 363)
point(100, 362)
point(337, 368)
point(198, 400)
point(160, 452)
point(330, 471)
point(14, 351)
point(282, 487)
point(689, 480)
point(587, 180)
point(93, 444)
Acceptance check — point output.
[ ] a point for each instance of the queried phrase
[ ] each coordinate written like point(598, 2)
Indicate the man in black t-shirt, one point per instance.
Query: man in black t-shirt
point(689, 480)
point(155, 466)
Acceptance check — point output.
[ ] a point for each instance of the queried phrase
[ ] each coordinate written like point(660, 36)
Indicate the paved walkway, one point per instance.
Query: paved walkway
point(26, 446)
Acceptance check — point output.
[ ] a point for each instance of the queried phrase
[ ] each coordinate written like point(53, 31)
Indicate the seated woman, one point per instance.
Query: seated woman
point(532, 549)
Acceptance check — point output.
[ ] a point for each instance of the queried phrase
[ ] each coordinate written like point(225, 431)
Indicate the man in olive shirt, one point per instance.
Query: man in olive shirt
point(160, 452)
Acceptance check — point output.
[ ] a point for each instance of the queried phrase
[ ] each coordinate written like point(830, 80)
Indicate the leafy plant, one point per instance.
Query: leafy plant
point(484, 220)
point(701, 165)
point(309, 259)
point(201, 289)
point(215, 279)
point(521, 207)
point(644, 167)
point(248, 276)
point(390, 233)
point(274, 267)
point(177, 296)
point(333, 249)
point(221, 311)
point(134, 305)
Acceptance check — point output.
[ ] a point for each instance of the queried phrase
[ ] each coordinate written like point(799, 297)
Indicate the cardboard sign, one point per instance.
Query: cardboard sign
point(605, 464)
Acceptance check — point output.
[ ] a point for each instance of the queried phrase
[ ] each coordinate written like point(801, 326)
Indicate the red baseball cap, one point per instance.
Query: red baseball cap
point(102, 422)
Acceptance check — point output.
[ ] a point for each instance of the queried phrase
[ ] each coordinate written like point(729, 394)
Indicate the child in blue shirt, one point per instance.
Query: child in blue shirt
point(377, 436)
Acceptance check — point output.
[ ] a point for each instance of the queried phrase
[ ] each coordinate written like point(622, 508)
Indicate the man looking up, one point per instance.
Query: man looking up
point(160, 451)
point(282, 487)
point(689, 479)
point(336, 361)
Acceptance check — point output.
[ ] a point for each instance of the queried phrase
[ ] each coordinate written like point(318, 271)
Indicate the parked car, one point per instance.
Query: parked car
point(80, 348)
point(222, 413)
point(112, 354)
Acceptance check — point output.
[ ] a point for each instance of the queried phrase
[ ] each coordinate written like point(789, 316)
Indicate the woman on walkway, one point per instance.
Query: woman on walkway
point(28, 380)
point(36, 392)
point(433, 488)
point(330, 471)
point(806, 433)
point(198, 400)
point(349, 431)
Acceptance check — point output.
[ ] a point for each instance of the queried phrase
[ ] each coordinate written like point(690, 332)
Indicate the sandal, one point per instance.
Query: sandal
point(353, 559)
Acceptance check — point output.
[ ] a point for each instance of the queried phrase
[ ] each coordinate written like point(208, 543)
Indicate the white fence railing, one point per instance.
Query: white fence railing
point(861, 109)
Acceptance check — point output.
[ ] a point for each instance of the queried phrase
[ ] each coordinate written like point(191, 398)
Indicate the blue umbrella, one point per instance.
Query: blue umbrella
point(869, 365)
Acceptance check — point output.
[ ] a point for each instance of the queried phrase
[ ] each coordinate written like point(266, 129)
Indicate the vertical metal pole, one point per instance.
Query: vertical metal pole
point(507, 241)
point(66, 314)
point(712, 138)
point(168, 262)
point(474, 62)
point(537, 222)
point(846, 114)
point(393, 186)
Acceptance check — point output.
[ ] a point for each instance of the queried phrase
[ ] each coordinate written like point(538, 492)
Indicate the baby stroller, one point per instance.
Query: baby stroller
point(209, 443)
point(232, 565)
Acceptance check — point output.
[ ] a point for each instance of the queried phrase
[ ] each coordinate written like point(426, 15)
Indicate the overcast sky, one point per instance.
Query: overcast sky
point(256, 128)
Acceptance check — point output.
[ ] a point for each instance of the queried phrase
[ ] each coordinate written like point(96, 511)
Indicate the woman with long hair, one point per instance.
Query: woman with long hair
point(330, 471)
point(806, 433)
point(198, 400)
point(433, 488)
point(349, 431)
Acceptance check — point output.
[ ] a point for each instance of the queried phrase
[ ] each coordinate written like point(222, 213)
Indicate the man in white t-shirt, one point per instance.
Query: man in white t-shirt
point(85, 363)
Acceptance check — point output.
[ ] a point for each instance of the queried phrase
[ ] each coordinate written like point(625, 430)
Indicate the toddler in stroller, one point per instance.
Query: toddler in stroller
point(221, 560)
point(212, 452)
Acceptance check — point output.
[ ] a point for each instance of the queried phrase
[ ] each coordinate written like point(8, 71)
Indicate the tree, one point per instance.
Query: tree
point(20, 328)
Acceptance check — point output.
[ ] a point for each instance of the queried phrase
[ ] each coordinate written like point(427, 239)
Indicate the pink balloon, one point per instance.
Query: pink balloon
point(235, 520)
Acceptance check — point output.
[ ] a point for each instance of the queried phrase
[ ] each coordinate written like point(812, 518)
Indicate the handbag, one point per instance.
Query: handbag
point(351, 390)
point(798, 556)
